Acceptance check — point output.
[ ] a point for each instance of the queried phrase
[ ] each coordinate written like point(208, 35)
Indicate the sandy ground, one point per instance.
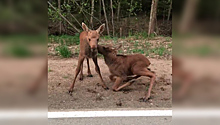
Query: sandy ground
point(89, 95)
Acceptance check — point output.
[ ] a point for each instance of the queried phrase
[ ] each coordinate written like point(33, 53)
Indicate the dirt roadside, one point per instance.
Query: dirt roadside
point(89, 95)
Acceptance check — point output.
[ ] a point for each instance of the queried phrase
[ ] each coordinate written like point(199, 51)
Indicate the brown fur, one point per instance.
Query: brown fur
point(123, 66)
point(88, 49)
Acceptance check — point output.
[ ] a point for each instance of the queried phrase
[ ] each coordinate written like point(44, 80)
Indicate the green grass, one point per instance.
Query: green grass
point(67, 39)
point(147, 44)
point(147, 53)
point(107, 37)
point(65, 77)
point(24, 38)
point(147, 88)
point(201, 51)
point(139, 35)
point(20, 51)
point(120, 51)
point(64, 51)
point(151, 35)
point(159, 50)
point(49, 70)
point(100, 55)
point(144, 35)
point(77, 50)
point(170, 45)
point(168, 39)
point(137, 43)
point(141, 51)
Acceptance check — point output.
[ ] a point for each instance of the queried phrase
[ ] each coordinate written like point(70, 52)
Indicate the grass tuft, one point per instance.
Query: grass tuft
point(64, 51)
point(67, 39)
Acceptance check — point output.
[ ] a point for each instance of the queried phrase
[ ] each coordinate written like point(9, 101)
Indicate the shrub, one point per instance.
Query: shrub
point(19, 51)
point(64, 51)
point(67, 39)
point(159, 51)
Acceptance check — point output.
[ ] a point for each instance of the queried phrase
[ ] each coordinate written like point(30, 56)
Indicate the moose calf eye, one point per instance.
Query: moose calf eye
point(89, 39)
point(97, 39)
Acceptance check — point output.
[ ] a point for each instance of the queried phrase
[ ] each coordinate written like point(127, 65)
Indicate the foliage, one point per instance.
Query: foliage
point(130, 24)
point(19, 51)
point(141, 51)
point(81, 11)
point(49, 70)
point(159, 50)
point(63, 50)
point(135, 6)
point(68, 40)
point(53, 15)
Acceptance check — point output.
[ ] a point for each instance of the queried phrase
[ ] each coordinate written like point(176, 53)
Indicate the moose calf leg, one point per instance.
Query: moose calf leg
point(89, 71)
point(146, 72)
point(34, 87)
point(152, 81)
point(80, 61)
point(118, 81)
point(97, 69)
point(129, 82)
point(81, 72)
point(131, 78)
point(124, 85)
point(112, 78)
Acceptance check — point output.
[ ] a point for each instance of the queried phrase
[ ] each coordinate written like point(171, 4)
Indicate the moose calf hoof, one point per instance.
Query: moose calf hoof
point(70, 92)
point(143, 99)
point(106, 88)
point(114, 90)
point(90, 75)
point(81, 78)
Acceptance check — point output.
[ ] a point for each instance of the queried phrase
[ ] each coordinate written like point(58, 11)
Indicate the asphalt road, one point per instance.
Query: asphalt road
point(112, 121)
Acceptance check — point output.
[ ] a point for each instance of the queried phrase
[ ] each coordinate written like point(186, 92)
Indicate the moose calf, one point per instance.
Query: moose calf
point(123, 66)
point(88, 49)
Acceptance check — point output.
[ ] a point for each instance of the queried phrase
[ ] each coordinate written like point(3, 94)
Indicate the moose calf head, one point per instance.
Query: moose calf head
point(105, 50)
point(93, 35)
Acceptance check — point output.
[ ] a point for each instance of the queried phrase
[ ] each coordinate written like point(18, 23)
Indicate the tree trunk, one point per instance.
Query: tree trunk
point(188, 15)
point(169, 12)
point(100, 9)
point(153, 16)
point(129, 15)
point(106, 19)
point(60, 22)
point(164, 11)
point(129, 18)
point(92, 11)
point(120, 32)
point(118, 13)
point(113, 28)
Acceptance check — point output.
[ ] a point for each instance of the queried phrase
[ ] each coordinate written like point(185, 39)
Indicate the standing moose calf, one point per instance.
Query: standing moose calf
point(123, 66)
point(88, 49)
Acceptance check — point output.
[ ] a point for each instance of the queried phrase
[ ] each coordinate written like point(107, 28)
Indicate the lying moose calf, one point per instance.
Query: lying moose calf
point(123, 66)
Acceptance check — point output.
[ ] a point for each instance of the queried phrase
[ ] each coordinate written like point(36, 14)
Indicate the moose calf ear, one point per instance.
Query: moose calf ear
point(85, 28)
point(101, 29)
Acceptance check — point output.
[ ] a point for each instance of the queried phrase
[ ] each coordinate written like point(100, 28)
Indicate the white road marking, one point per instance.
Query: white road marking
point(196, 113)
point(25, 114)
point(109, 113)
point(187, 113)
